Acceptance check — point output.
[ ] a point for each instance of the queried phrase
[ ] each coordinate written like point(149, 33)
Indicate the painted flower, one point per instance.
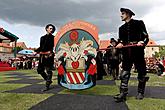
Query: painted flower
point(75, 65)
point(74, 35)
point(85, 52)
point(64, 54)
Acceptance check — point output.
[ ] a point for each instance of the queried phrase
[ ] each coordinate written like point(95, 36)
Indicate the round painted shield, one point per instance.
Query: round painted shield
point(76, 45)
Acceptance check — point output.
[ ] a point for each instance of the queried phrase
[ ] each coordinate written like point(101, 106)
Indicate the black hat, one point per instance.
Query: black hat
point(112, 40)
point(127, 11)
point(52, 26)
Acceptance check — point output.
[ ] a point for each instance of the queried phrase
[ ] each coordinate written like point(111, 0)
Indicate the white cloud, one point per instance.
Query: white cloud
point(26, 33)
point(158, 35)
point(82, 1)
point(161, 42)
point(155, 19)
point(102, 13)
point(143, 2)
point(107, 36)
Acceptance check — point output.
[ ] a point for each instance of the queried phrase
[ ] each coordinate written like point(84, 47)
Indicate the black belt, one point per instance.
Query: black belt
point(132, 43)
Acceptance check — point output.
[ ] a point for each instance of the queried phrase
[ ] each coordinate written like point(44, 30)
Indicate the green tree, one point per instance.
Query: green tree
point(18, 49)
point(161, 52)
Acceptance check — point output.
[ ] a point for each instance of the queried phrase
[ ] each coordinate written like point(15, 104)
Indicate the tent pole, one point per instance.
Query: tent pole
point(15, 48)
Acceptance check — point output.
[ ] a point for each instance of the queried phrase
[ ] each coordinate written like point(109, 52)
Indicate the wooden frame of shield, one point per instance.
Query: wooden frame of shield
point(75, 48)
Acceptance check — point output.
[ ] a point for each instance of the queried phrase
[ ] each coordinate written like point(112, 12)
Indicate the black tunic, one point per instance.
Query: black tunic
point(46, 44)
point(133, 32)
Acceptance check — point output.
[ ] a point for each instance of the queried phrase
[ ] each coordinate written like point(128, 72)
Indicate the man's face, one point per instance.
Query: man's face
point(124, 16)
point(49, 30)
point(113, 43)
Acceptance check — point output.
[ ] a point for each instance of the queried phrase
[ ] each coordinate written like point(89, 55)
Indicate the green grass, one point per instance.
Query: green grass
point(6, 78)
point(145, 104)
point(108, 77)
point(153, 81)
point(12, 101)
point(7, 87)
point(54, 82)
point(30, 72)
point(19, 101)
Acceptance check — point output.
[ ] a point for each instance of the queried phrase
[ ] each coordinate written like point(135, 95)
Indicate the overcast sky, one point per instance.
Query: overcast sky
point(27, 18)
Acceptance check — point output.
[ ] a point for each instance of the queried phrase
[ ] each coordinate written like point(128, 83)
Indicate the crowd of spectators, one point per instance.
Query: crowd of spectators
point(155, 65)
point(20, 63)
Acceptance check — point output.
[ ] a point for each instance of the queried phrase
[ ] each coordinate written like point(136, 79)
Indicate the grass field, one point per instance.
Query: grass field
point(23, 101)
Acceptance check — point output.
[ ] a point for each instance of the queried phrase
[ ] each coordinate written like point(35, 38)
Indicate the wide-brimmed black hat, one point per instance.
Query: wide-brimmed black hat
point(127, 11)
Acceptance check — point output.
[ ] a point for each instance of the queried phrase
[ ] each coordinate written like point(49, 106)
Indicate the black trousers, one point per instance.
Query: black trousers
point(45, 64)
point(132, 55)
point(113, 67)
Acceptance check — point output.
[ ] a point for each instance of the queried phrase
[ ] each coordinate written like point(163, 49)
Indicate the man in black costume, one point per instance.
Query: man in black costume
point(46, 59)
point(134, 33)
point(113, 59)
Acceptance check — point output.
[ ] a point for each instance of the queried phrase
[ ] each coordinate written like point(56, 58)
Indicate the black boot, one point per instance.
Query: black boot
point(122, 96)
point(141, 88)
point(140, 96)
point(123, 87)
point(47, 86)
point(48, 81)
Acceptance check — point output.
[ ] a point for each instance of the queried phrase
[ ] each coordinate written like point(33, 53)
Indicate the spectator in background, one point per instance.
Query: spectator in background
point(160, 67)
point(113, 59)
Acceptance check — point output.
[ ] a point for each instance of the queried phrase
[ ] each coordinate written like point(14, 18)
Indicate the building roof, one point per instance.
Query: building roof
point(6, 36)
point(30, 48)
point(5, 45)
point(151, 43)
point(104, 44)
point(20, 44)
